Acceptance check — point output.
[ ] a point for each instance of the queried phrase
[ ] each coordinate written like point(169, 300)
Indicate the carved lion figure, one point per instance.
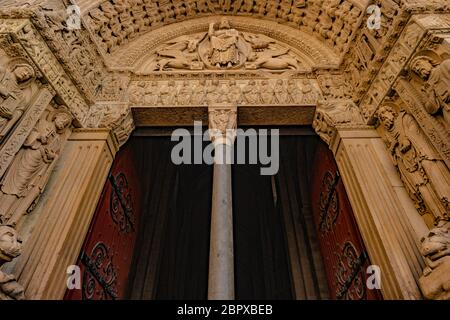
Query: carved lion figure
point(435, 282)
point(10, 248)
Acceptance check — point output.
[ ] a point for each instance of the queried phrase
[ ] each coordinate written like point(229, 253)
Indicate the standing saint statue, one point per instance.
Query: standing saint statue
point(424, 173)
point(15, 95)
point(28, 174)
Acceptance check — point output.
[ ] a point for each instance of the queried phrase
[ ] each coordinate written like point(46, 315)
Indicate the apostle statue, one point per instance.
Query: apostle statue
point(28, 174)
point(424, 173)
point(436, 78)
point(15, 95)
point(10, 248)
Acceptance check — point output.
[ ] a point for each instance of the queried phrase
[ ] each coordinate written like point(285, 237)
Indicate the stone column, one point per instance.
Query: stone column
point(387, 219)
point(65, 212)
point(222, 123)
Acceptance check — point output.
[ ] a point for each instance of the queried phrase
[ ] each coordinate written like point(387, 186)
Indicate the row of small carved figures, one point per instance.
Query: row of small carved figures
point(117, 20)
point(252, 93)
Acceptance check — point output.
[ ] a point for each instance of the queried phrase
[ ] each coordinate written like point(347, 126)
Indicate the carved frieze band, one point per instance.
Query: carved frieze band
point(239, 92)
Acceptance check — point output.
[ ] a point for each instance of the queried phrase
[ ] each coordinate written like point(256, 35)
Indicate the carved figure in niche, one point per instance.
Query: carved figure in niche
point(180, 54)
point(137, 92)
point(184, 95)
point(205, 6)
point(155, 19)
point(281, 93)
point(212, 93)
point(224, 93)
point(97, 19)
point(425, 175)
point(272, 8)
point(191, 8)
point(179, 10)
point(10, 248)
point(308, 93)
point(437, 84)
point(198, 95)
point(267, 92)
point(225, 5)
point(251, 93)
point(15, 94)
point(235, 92)
point(165, 6)
point(139, 15)
point(151, 94)
point(122, 8)
point(294, 93)
point(167, 93)
point(28, 174)
point(435, 247)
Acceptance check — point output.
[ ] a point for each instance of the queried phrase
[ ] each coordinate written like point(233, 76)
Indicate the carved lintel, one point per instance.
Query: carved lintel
point(332, 116)
point(222, 123)
point(115, 116)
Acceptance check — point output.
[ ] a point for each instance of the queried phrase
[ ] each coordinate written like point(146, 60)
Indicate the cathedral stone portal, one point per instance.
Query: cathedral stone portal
point(91, 91)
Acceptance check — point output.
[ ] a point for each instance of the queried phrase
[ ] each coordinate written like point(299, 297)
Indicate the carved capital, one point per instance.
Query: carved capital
point(332, 116)
point(222, 123)
point(115, 116)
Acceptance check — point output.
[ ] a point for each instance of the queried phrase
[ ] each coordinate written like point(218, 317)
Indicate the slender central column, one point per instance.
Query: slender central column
point(222, 122)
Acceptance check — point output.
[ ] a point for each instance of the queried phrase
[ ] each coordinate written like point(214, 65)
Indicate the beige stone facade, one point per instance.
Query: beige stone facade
point(71, 96)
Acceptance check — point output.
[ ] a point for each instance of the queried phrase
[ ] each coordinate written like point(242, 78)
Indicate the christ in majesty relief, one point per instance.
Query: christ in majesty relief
point(224, 45)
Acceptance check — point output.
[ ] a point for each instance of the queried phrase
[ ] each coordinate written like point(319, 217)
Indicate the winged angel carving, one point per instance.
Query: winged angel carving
point(221, 48)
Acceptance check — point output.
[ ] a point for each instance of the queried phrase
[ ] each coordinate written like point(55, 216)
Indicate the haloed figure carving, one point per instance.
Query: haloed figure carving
point(425, 175)
point(436, 86)
point(10, 248)
point(15, 95)
point(28, 173)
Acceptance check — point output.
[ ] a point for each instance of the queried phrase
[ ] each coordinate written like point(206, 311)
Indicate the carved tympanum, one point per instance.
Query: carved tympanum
point(222, 48)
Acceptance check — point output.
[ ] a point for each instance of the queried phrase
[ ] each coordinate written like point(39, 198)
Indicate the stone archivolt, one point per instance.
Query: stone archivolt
point(116, 22)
